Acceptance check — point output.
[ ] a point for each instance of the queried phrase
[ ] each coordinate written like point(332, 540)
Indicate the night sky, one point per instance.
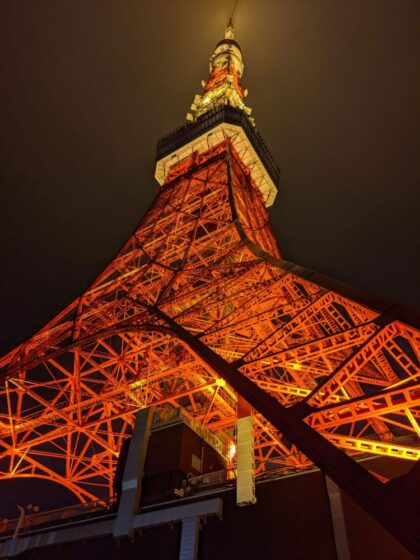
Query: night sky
point(88, 87)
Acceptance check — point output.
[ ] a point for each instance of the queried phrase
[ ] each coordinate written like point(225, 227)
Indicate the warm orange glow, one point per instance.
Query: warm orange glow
point(115, 358)
point(204, 258)
point(232, 451)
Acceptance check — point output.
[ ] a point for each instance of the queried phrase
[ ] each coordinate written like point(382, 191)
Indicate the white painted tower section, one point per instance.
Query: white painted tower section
point(245, 483)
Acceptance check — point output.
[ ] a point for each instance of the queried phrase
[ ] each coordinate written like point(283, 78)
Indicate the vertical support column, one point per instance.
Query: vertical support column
point(133, 473)
point(189, 538)
point(338, 521)
point(245, 483)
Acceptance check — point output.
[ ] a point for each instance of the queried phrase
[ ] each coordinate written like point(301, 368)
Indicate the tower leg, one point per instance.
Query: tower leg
point(338, 521)
point(133, 473)
point(245, 483)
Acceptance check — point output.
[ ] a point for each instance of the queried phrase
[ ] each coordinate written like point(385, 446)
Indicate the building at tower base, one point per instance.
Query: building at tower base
point(189, 511)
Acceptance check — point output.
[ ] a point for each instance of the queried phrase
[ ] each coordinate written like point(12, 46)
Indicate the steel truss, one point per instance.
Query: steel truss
point(197, 307)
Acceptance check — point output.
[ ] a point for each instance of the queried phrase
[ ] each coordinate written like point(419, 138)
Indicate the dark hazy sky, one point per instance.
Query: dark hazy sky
point(88, 87)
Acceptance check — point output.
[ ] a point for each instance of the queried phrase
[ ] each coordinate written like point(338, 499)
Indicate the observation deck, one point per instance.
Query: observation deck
point(209, 130)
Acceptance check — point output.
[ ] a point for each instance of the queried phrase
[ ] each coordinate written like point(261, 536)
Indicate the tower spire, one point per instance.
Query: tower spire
point(230, 30)
point(223, 87)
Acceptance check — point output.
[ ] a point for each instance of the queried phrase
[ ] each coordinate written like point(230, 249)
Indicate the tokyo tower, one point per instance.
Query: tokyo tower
point(279, 367)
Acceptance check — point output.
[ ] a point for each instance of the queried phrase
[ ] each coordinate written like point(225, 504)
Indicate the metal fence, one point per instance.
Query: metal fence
point(214, 117)
point(30, 521)
point(167, 416)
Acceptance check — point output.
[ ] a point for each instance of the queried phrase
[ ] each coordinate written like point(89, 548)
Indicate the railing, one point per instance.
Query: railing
point(214, 117)
point(168, 416)
point(226, 478)
point(30, 522)
point(203, 482)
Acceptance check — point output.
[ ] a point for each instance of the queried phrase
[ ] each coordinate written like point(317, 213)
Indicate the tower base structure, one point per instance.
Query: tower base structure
point(207, 521)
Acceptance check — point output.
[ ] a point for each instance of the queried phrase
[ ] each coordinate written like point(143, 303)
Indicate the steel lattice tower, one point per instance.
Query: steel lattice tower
point(199, 308)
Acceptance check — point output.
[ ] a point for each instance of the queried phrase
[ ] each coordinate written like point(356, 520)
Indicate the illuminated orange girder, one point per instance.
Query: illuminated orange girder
point(205, 255)
point(204, 258)
point(199, 307)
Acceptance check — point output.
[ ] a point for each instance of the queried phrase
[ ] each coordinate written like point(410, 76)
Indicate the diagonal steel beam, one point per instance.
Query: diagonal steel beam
point(359, 484)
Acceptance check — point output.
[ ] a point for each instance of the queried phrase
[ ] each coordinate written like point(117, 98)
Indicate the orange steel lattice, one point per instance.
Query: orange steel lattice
point(197, 295)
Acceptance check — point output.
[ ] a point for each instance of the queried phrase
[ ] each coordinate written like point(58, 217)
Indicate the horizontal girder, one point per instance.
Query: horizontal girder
point(197, 293)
